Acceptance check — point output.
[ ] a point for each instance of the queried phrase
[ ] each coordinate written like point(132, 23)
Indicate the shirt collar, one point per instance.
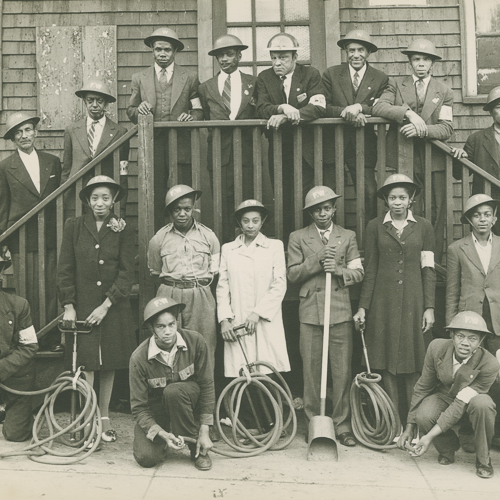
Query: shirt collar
point(426, 80)
point(154, 350)
point(409, 217)
point(22, 154)
point(476, 241)
point(361, 72)
point(101, 121)
point(327, 230)
point(456, 362)
point(171, 227)
point(259, 241)
point(169, 68)
point(289, 76)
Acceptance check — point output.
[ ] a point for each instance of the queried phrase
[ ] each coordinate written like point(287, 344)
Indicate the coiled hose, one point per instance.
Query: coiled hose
point(88, 420)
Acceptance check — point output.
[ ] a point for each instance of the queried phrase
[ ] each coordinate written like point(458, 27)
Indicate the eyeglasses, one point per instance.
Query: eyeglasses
point(471, 338)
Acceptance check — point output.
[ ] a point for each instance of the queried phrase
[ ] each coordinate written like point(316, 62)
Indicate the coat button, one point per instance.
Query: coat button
point(400, 261)
point(10, 322)
point(97, 246)
point(401, 253)
point(400, 282)
point(402, 243)
point(400, 271)
point(99, 283)
point(101, 262)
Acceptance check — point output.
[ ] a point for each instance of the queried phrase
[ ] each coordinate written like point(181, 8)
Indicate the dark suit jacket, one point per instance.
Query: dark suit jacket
point(77, 152)
point(397, 98)
point(214, 109)
point(339, 94)
point(18, 196)
point(184, 88)
point(304, 268)
point(305, 80)
point(467, 285)
point(478, 373)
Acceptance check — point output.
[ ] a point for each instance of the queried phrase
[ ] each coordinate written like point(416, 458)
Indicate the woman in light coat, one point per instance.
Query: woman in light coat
point(251, 288)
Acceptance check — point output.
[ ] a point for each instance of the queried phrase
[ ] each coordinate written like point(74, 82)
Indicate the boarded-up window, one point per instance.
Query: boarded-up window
point(66, 57)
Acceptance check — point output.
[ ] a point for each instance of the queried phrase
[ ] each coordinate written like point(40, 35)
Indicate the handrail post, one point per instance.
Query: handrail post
point(146, 206)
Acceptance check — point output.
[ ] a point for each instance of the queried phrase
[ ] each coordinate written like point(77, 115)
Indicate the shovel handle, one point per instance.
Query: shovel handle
point(326, 341)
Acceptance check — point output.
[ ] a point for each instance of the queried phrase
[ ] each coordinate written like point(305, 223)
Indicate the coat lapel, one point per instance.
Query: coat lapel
point(365, 85)
point(432, 99)
point(81, 135)
point(467, 373)
point(313, 240)
point(346, 84)
point(408, 94)
point(490, 144)
point(19, 171)
point(246, 92)
point(296, 87)
point(213, 89)
point(45, 172)
point(470, 251)
point(108, 133)
point(89, 223)
point(391, 231)
point(495, 253)
point(408, 230)
point(178, 81)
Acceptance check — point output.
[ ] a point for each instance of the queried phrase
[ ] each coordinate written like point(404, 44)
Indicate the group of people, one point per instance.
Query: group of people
point(201, 286)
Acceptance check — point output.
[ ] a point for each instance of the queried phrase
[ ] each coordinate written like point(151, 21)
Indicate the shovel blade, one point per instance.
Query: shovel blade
point(322, 444)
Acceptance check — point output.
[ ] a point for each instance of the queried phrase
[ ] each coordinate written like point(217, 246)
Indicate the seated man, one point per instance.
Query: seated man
point(456, 377)
point(171, 380)
point(18, 345)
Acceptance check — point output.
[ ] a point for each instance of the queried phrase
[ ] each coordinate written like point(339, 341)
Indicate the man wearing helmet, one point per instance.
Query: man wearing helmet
point(230, 95)
point(351, 91)
point(421, 106)
point(455, 380)
point(170, 93)
point(290, 93)
point(171, 388)
point(324, 247)
point(90, 136)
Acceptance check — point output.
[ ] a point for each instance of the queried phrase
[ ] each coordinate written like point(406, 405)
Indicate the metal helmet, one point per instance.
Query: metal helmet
point(473, 202)
point(101, 180)
point(358, 36)
point(283, 42)
point(17, 119)
point(319, 194)
point(250, 205)
point(397, 180)
point(96, 86)
point(493, 99)
point(4, 263)
point(160, 304)
point(468, 320)
point(422, 46)
point(179, 191)
point(164, 34)
point(226, 42)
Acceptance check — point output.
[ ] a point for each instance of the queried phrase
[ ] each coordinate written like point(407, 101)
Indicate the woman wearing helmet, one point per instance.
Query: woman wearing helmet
point(398, 291)
point(95, 274)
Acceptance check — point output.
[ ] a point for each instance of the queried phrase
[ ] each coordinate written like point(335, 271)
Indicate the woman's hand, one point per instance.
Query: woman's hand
point(251, 323)
point(360, 316)
point(99, 313)
point(227, 331)
point(428, 320)
point(69, 317)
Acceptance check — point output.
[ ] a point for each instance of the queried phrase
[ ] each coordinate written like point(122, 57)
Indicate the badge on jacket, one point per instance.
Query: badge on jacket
point(302, 97)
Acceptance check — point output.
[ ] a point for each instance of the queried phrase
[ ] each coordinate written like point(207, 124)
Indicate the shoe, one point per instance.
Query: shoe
point(484, 471)
point(467, 443)
point(203, 462)
point(347, 439)
point(109, 436)
point(447, 460)
point(3, 412)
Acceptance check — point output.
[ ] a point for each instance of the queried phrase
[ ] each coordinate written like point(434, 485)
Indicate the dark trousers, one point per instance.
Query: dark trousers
point(18, 422)
point(178, 404)
point(340, 354)
point(481, 412)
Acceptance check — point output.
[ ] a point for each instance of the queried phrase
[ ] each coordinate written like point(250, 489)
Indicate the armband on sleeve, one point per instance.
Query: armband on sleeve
point(446, 113)
point(466, 394)
point(196, 103)
point(318, 100)
point(426, 259)
point(28, 336)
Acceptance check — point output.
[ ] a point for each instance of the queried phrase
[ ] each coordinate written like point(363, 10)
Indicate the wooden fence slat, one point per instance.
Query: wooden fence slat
point(427, 194)
point(116, 177)
point(339, 174)
point(173, 176)
point(22, 262)
point(278, 185)
point(360, 186)
point(78, 202)
point(196, 157)
point(449, 201)
point(318, 155)
point(217, 194)
point(381, 164)
point(297, 178)
point(238, 165)
point(41, 269)
point(465, 196)
point(257, 163)
point(59, 223)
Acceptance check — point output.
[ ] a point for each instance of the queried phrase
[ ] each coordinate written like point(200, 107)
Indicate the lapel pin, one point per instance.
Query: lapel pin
point(246, 92)
point(298, 90)
point(435, 100)
point(369, 88)
point(250, 85)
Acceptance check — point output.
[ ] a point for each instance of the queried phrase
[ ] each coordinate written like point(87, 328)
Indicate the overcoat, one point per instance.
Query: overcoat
point(396, 291)
point(467, 285)
point(253, 279)
point(92, 266)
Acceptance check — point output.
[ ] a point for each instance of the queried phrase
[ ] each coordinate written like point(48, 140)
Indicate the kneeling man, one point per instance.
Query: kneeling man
point(171, 388)
point(456, 377)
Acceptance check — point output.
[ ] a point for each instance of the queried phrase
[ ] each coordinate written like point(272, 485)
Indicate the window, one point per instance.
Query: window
point(480, 27)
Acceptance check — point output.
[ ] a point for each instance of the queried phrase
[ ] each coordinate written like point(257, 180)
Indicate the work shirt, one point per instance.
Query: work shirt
point(484, 252)
point(235, 90)
point(149, 376)
point(165, 357)
point(32, 164)
point(190, 256)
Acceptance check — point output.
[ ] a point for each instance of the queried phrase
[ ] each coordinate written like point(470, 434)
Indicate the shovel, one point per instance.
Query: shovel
point(322, 444)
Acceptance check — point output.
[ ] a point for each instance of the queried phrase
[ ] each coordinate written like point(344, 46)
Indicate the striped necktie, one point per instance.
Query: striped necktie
point(163, 78)
point(420, 91)
point(355, 81)
point(283, 80)
point(226, 93)
point(323, 237)
point(90, 136)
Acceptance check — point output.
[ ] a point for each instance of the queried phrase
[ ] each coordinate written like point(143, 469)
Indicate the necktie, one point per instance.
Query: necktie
point(226, 93)
point(323, 237)
point(283, 80)
point(355, 81)
point(420, 91)
point(90, 136)
point(163, 78)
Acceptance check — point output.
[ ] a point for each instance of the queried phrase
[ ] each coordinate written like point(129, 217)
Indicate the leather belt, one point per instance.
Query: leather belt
point(186, 283)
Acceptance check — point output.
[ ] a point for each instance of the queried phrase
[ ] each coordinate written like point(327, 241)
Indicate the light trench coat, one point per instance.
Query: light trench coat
point(253, 279)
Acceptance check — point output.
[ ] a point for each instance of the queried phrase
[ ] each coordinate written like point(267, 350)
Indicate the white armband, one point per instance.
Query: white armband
point(196, 103)
point(214, 263)
point(318, 100)
point(28, 336)
point(355, 264)
point(466, 394)
point(426, 259)
point(446, 113)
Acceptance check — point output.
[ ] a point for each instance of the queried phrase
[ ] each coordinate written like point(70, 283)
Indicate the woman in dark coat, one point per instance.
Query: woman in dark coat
point(398, 291)
point(94, 278)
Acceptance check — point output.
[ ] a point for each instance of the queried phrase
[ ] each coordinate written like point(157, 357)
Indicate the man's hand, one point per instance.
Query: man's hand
point(293, 114)
point(326, 252)
point(144, 108)
point(174, 443)
point(330, 266)
point(360, 121)
point(420, 128)
point(185, 117)
point(5, 253)
point(360, 317)
point(69, 317)
point(350, 113)
point(407, 437)
point(422, 446)
point(227, 331)
point(459, 153)
point(428, 320)
point(97, 315)
point(251, 323)
point(204, 443)
point(276, 121)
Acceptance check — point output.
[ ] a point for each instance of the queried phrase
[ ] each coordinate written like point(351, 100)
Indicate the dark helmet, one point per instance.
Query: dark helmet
point(397, 180)
point(164, 34)
point(319, 194)
point(96, 86)
point(358, 36)
point(227, 42)
point(102, 180)
point(17, 119)
point(160, 304)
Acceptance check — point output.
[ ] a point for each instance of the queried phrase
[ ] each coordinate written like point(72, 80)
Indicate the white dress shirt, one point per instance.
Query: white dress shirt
point(99, 127)
point(287, 84)
point(32, 164)
point(426, 81)
point(361, 73)
point(169, 68)
point(235, 90)
point(484, 252)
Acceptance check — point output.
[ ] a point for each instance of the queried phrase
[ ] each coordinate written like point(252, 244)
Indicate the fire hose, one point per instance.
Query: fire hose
point(375, 420)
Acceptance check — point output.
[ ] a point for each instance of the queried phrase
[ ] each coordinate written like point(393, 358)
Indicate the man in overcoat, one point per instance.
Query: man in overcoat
point(170, 93)
point(27, 177)
point(230, 95)
point(456, 377)
point(90, 136)
point(289, 94)
point(324, 247)
point(18, 346)
point(351, 90)
point(421, 106)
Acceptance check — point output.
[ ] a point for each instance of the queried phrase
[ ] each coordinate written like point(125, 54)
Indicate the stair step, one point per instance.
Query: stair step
point(49, 354)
